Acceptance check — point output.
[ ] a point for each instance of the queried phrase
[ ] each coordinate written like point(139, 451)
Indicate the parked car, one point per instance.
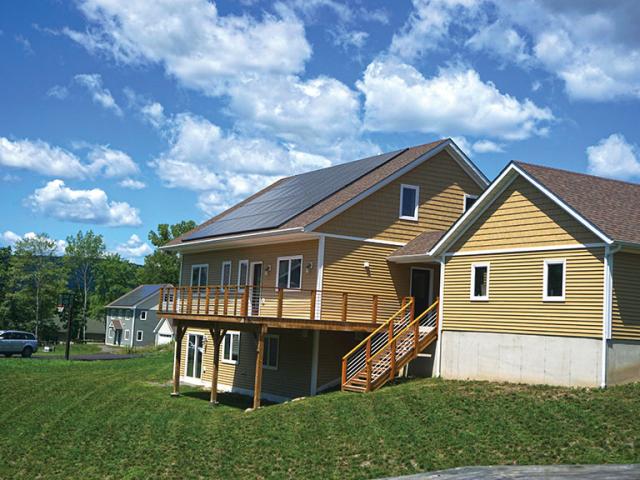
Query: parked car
point(13, 341)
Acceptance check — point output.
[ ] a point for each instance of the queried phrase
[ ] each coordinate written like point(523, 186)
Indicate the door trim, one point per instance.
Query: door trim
point(251, 271)
point(431, 289)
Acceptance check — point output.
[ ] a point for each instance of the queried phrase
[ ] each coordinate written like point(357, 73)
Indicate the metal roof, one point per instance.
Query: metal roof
point(290, 197)
point(136, 295)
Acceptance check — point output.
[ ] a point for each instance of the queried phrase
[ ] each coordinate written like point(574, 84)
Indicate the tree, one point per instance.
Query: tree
point(114, 276)
point(36, 278)
point(162, 266)
point(5, 258)
point(82, 254)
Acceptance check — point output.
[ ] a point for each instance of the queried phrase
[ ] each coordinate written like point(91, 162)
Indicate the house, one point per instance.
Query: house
point(541, 281)
point(132, 319)
point(276, 290)
point(163, 332)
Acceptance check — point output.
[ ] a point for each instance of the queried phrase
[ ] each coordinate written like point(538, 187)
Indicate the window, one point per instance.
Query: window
point(409, 202)
point(139, 334)
point(270, 356)
point(126, 334)
point(225, 273)
point(199, 275)
point(554, 280)
point(469, 200)
point(243, 273)
point(111, 332)
point(480, 281)
point(289, 272)
point(231, 347)
point(143, 315)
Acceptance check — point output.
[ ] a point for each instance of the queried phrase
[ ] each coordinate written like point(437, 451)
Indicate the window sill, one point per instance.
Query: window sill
point(269, 368)
point(229, 362)
point(554, 299)
point(413, 219)
point(479, 299)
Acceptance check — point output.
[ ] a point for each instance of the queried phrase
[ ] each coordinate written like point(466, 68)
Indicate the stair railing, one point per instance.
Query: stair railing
point(356, 359)
point(375, 366)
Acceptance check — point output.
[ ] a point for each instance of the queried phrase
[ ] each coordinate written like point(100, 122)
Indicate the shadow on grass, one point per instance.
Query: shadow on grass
point(233, 400)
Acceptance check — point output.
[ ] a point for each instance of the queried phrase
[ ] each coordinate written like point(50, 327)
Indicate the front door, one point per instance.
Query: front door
point(421, 288)
point(117, 340)
point(256, 282)
point(195, 350)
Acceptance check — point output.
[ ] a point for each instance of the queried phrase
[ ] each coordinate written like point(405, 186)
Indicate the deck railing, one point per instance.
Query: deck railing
point(278, 303)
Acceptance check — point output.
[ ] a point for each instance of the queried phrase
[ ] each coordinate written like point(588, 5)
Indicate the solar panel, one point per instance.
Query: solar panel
point(136, 295)
point(291, 197)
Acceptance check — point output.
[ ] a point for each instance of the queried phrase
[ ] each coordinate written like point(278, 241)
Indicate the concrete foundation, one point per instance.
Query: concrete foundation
point(623, 362)
point(536, 359)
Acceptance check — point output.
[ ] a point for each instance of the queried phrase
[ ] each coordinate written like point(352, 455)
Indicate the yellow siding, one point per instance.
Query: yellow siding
point(344, 271)
point(442, 183)
point(625, 319)
point(268, 254)
point(515, 302)
point(523, 217)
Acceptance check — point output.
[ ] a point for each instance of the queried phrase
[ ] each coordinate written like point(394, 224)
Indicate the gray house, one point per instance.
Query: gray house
point(132, 319)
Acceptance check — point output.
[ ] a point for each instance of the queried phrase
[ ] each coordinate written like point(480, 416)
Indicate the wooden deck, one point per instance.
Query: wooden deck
point(233, 306)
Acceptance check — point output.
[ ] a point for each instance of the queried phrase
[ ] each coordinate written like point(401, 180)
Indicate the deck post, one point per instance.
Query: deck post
point(207, 293)
point(280, 300)
point(374, 309)
point(217, 340)
point(392, 370)
point(175, 299)
point(312, 306)
point(367, 359)
point(259, 354)
point(161, 303)
point(216, 301)
point(189, 299)
point(225, 306)
point(244, 309)
point(345, 302)
point(180, 331)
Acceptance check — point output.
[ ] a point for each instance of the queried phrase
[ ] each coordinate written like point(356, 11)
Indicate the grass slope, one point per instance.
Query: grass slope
point(116, 420)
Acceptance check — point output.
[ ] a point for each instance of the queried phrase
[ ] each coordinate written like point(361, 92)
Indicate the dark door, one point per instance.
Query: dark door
point(256, 282)
point(421, 289)
point(118, 338)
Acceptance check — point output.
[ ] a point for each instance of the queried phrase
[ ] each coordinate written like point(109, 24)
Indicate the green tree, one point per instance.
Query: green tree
point(36, 278)
point(162, 266)
point(114, 276)
point(82, 254)
point(5, 259)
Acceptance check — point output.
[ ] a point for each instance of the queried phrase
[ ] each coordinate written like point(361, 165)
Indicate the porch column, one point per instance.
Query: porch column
point(259, 354)
point(217, 337)
point(180, 331)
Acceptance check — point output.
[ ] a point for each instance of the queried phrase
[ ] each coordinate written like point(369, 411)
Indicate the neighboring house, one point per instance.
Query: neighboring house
point(132, 318)
point(163, 332)
point(295, 276)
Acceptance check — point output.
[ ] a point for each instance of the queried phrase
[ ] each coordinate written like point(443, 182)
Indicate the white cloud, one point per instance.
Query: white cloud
point(193, 43)
point(454, 102)
point(428, 25)
point(25, 44)
point(40, 157)
point(58, 91)
point(487, 146)
point(347, 39)
point(132, 184)
point(58, 201)
point(134, 248)
point(153, 113)
point(100, 95)
point(502, 40)
point(614, 157)
point(11, 238)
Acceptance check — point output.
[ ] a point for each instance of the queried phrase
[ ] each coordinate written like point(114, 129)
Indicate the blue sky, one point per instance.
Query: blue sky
point(117, 115)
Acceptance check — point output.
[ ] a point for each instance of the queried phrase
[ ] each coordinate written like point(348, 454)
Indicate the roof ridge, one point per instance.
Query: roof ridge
point(582, 174)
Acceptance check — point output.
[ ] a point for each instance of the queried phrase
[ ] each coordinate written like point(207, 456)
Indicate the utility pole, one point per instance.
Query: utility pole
point(65, 307)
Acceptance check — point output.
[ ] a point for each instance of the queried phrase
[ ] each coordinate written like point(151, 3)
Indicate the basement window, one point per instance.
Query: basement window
point(480, 281)
point(409, 202)
point(271, 348)
point(231, 347)
point(554, 280)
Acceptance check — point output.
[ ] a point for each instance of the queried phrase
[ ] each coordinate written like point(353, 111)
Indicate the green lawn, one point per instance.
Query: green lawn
point(116, 420)
point(76, 349)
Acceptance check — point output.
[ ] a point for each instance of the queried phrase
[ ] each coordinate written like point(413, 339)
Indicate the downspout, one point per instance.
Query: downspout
point(438, 359)
point(133, 326)
point(607, 308)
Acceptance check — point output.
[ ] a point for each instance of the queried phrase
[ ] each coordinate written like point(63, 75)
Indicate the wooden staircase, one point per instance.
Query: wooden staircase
point(378, 358)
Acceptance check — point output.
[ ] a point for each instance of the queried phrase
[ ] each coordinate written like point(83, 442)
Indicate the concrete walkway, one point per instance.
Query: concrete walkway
point(522, 472)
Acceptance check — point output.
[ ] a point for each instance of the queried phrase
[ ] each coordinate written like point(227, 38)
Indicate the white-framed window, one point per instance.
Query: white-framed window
point(243, 273)
point(271, 352)
point(555, 278)
point(139, 335)
point(199, 275)
point(143, 315)
point(469, 200)
point(289, 274)
point(127, 333)
point(225, 273)
point(409, 202)
point(111, 331)
point(480, 281)
point(231, 347)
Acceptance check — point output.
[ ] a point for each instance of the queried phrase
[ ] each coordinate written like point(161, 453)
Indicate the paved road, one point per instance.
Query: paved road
point(519, 472)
